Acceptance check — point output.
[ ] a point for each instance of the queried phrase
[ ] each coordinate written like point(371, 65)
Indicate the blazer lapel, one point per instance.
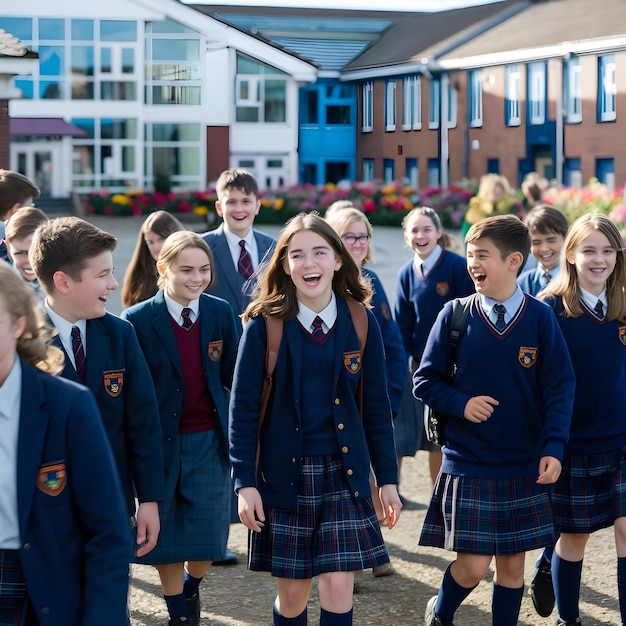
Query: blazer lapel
point(97, 353)
point(32, 433)
point(342, 332)
point(229, 273)
point(162, 322)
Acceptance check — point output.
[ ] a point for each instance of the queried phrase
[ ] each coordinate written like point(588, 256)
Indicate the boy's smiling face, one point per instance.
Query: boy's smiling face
point(238, 210)
point(493, 276)
point(546, 248)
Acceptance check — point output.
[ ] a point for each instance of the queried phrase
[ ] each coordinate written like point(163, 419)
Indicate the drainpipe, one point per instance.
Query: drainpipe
point(444, 145)
point(559, 147)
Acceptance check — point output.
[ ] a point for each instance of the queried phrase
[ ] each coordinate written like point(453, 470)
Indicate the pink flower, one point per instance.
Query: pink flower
point(184, 207)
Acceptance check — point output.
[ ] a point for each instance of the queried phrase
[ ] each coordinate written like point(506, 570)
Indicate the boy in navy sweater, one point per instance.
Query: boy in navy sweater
point(509, 407)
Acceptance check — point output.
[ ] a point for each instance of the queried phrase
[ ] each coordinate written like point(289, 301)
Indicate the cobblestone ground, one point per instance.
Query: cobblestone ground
point(233, 596)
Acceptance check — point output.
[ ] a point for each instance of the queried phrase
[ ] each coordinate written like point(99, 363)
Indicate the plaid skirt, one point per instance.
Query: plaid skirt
point(488, 516)
point(329, 531)
point(196, 519)
point(13, 592)
point(591, 491)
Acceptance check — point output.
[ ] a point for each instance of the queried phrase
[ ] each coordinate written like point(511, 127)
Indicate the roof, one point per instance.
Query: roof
point(545, 24)
point(44, 127)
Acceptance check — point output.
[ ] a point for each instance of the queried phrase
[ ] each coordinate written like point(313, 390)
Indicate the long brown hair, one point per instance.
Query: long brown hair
point(565, 283)
point(276, 294)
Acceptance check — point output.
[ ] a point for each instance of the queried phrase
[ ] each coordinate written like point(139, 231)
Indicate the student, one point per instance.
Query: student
point(15, 191)
point(548, 227)
point(19, 235)
point(590, 304)
point(314, 439)
point(73, 261)
point(190, 341)
point(140, 280)
point(425, 283)
point(356, 233)
point(509, 407)
point(62, 514)
point(237, 247)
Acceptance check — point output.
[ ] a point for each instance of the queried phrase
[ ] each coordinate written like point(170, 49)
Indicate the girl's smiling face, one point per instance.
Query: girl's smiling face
point(154, 243)
point(422, 235)
point(311, 263)
point(187, 276)
point(356, 241)
point(594, 258)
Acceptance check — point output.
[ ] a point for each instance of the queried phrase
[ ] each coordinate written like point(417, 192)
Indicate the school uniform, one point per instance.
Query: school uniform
point(205, 447)
point(313, 442)
point(535, 280)
point(73, 541)
point(591, 491)
point(230, 284)
point(119, 378)
point(486, 500)
point(395, 356)
point(421, 293)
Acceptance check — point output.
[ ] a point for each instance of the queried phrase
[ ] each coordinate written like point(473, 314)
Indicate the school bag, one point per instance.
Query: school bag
point(274, 328)
point(434, 421)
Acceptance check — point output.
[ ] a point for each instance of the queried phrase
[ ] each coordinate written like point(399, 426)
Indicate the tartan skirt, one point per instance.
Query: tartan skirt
point(488, 516)
point(591, 491)
point(196, 519)
point(13, 591)
point(328, 531)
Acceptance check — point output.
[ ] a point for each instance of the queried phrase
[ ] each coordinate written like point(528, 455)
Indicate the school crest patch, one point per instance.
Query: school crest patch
point(352, 361)
point(442, 289)
point(113, 382)
point(527, 356)
point(622, 334)
point(215, 350)
point(52, 479)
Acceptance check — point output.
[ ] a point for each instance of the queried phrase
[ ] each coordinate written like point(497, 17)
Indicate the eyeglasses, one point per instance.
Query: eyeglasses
point(352, 239)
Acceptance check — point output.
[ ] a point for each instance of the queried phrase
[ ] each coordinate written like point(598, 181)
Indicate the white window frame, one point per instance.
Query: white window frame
point(434, 104)
point(368, 170)
point(607, 89)
point(536, 93)
point(513, 94)
point(475, 94)
point(390, 105)
point(453, 106)
point(573, 91)
point(412, 103)
point(368, 107)
point(254, 91)
point(389, 171)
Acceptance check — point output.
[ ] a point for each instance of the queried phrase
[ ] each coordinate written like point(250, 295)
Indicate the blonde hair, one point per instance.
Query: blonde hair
point(32, 345)
point(489, 182)
point(275, 293)
point(565, 284)
point(174, 245)
point(341, 219)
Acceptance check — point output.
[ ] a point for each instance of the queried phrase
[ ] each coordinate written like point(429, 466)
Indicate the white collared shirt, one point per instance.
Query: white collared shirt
point(235, 249)
point(10, 404)
point(175, 309)
point(590, 300)
point(328, 315)
point(65, 331)
point(511, 305)
point(425, 266)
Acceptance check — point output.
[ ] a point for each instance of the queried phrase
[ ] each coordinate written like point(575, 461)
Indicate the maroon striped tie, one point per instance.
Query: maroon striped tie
point(244, 267)
point(79, 353)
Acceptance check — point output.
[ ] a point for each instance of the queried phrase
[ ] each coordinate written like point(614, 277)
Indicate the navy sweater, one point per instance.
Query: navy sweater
point(419, 300)
point(598, 352)
point(527, 369)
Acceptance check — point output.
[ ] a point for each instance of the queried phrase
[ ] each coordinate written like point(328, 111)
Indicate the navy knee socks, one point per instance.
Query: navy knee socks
point(335, 619)
point(505, 604)
point(566, 576)
point(450, 597)
point(281, 620)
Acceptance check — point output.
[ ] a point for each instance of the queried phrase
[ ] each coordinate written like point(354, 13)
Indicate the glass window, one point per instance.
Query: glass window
point(412, 173)
point(86, 124)
point(118, 30)
point(412, 103)
point(118, 90)
point(607, 88)
point(275, 100)
point(368, 106)
point(169, 26)
point(390, 105)
point(171, 94)
point(573, 173)
point(83, 160)
point(175, 71)
point(128, 61)
point(176, 132)
point(433, 172)
point(82, 90)
point(20, 27)
point(434, 111)
point(26, 87)
point(175, 49)
point(51, 89)
point(51, 60)
point(118, 129)
point(573, 91)
point(53, 29)
point(368, 170)
point(106, 64)
point(453, 95)
point(605, 172)
point(493, 166)
point(536, 93)
point(177, 161)
point(247, 66)
point(338, 114)
point(247, 114)
point(309, 106)
point(389, 170)
point(82, 60)
point(82, 30)
point(475, 98)
point(513, 78)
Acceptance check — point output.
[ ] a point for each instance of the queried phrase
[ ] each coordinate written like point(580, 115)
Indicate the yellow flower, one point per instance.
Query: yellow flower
point(201, 210)
point(279, 203)
point(331, 187)
point(408, 205)
point(120, 198)
point(265, 202)
point(388, 189)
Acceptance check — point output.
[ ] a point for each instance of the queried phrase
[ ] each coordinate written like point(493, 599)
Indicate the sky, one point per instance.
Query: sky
point(388, 5)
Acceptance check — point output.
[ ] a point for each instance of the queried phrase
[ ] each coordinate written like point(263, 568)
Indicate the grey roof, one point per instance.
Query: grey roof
point(549, 23)
point(329, 54)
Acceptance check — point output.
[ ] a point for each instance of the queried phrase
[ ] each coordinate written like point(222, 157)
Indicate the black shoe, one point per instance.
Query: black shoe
point(193, 609)
point(229, 559)
point(180, 621)
point(541, 589)
point(561, 622)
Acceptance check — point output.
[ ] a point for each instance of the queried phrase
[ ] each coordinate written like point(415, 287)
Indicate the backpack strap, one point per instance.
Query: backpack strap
point(460, 310)
point(358, 313)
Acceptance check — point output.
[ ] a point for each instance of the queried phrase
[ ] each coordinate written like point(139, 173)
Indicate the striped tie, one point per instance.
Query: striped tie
point(318, 332)
point(187, 323)
point(244, 267)
point(599, 309)
point(500, 309)
point(79, 353)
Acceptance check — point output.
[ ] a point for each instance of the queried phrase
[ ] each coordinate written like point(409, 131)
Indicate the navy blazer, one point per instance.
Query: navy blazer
point(74, 533)
point(119, 378)
point(281, 438)
point(229, 283)
point(219, 337)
